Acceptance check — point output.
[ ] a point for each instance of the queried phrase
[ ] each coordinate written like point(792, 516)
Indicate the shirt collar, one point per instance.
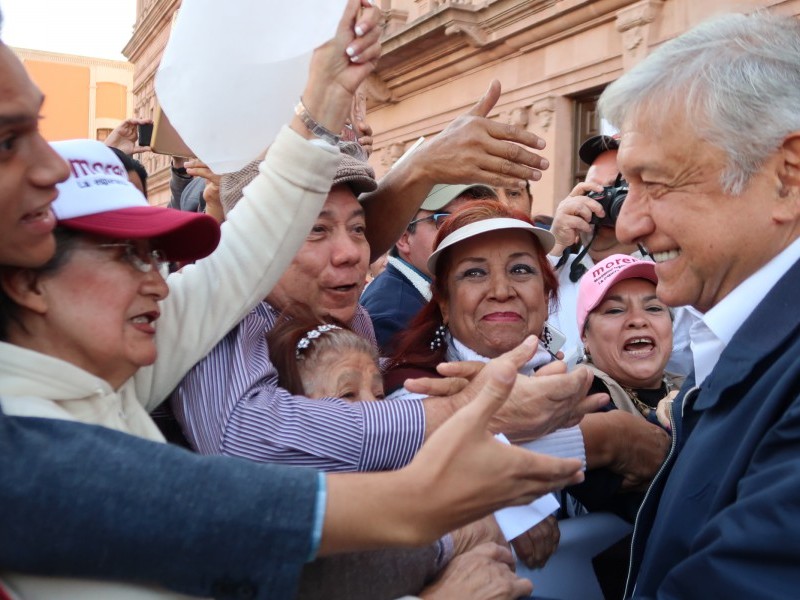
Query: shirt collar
point(730, 313)
point(715, 329)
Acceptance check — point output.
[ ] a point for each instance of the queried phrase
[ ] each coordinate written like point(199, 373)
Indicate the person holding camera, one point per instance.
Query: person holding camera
point(585, 230)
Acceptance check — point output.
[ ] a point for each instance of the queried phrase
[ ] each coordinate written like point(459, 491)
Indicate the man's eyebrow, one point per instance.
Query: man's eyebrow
point(21, 118)
point(9, 120)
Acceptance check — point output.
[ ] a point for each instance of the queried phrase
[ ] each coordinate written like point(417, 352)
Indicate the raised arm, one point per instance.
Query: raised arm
point(471, 149)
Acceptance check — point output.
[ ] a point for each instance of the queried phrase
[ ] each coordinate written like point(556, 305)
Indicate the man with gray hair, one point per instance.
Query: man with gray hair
point(710, 148)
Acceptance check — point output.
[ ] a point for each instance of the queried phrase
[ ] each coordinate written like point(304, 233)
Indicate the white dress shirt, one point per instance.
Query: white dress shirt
point(713, 331)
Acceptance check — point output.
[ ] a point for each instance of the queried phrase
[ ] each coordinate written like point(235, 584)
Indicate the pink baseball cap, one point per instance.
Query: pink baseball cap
point(98, 199)
point(604, 275)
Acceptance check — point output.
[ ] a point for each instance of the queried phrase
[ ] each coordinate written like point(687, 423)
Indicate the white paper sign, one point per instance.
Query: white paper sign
point(516, 520)
point(232, 72)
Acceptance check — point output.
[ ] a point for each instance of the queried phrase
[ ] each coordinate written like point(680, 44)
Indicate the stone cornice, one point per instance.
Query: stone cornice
point(455, 38)
point(146, 25)
point(70, 59)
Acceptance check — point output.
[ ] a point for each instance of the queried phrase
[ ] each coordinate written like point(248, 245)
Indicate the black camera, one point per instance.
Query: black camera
point(611, 199)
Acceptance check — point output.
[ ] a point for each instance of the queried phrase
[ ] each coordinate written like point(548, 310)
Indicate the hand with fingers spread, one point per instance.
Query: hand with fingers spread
point(125, 136)
point(461, 473)
point(537, 545)
point(484, 573)
point(471, 149)
point(538, 405)
point(498, 154)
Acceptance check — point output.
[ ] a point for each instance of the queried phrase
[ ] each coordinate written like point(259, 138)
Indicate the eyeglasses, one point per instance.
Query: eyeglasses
point(143, 261)
point(437, 218)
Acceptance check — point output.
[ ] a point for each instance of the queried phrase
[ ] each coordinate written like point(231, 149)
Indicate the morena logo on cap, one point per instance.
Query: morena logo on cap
point(81, 167)
point(608, 268)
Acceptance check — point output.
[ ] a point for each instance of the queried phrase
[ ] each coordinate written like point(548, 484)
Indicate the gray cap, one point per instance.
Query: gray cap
point(444, 193)
point(356, 173)
point(351, 171)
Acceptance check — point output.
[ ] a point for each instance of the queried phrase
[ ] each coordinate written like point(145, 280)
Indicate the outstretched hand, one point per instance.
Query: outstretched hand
point(537, 405)
point(462, 473)
point(497, 154)
point(467, 472)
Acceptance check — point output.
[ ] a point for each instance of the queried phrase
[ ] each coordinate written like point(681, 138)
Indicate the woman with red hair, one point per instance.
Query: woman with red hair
point(492, 288)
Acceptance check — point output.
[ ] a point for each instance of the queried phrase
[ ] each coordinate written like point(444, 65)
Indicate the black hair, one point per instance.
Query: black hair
point(132, 166)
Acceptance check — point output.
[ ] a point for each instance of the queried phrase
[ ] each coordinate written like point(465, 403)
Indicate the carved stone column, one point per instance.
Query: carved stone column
point(635, 23)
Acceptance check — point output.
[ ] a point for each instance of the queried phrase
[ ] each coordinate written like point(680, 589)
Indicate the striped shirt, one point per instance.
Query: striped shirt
point(230, 403)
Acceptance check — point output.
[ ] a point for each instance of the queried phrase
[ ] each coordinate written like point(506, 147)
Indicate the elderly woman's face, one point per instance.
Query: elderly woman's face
point(629, 334)
point(99, 310)
point(352, 375)
point(496, 288)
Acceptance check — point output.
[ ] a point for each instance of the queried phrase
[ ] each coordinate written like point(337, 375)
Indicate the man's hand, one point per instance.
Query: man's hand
point(488, 152)
point(537, 545)
point(476, 533)
point(462, 458)
point(462, 473)
point(627, 444)
point(485, 573)
point(537, 405)
point(125, 136)
point(573, 216)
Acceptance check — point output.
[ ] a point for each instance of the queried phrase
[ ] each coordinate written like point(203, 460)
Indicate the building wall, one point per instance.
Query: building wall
point(84, 97)
point(439, 58)
point(154, 20)
point(551, 57)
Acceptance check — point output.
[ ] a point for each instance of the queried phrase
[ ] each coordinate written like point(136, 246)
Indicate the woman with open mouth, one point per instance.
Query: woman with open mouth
point(627, 335)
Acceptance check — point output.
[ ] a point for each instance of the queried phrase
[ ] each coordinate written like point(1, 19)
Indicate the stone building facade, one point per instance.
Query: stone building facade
point(552, 57)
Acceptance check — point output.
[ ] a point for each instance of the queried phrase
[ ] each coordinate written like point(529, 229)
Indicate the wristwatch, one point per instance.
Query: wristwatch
point(315, 128)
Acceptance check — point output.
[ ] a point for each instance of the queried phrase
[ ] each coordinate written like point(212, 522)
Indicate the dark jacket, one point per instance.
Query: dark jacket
point(721, 518)
point(391, 301)
point(86, 501)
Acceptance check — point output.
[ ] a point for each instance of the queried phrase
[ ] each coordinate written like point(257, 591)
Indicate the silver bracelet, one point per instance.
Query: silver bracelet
point(315, 128)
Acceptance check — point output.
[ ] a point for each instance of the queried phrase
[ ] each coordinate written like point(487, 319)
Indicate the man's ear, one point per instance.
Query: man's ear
point(22, 286)
point(788, 210)
point(403, 246)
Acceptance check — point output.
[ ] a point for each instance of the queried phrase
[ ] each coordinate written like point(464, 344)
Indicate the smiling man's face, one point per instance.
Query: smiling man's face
point(329, 271)
point(704, 240)
point(29, 170)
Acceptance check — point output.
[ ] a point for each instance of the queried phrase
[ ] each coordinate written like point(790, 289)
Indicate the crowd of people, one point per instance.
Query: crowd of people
point(633, 354)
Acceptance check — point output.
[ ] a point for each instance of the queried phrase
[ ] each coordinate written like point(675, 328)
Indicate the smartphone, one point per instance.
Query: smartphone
point(145, 132)
point(552, 339)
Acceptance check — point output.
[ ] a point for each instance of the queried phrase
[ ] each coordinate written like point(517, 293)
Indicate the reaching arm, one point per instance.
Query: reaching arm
point(487, 152)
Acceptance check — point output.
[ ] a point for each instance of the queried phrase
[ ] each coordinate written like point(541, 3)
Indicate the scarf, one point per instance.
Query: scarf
point(457, 351)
